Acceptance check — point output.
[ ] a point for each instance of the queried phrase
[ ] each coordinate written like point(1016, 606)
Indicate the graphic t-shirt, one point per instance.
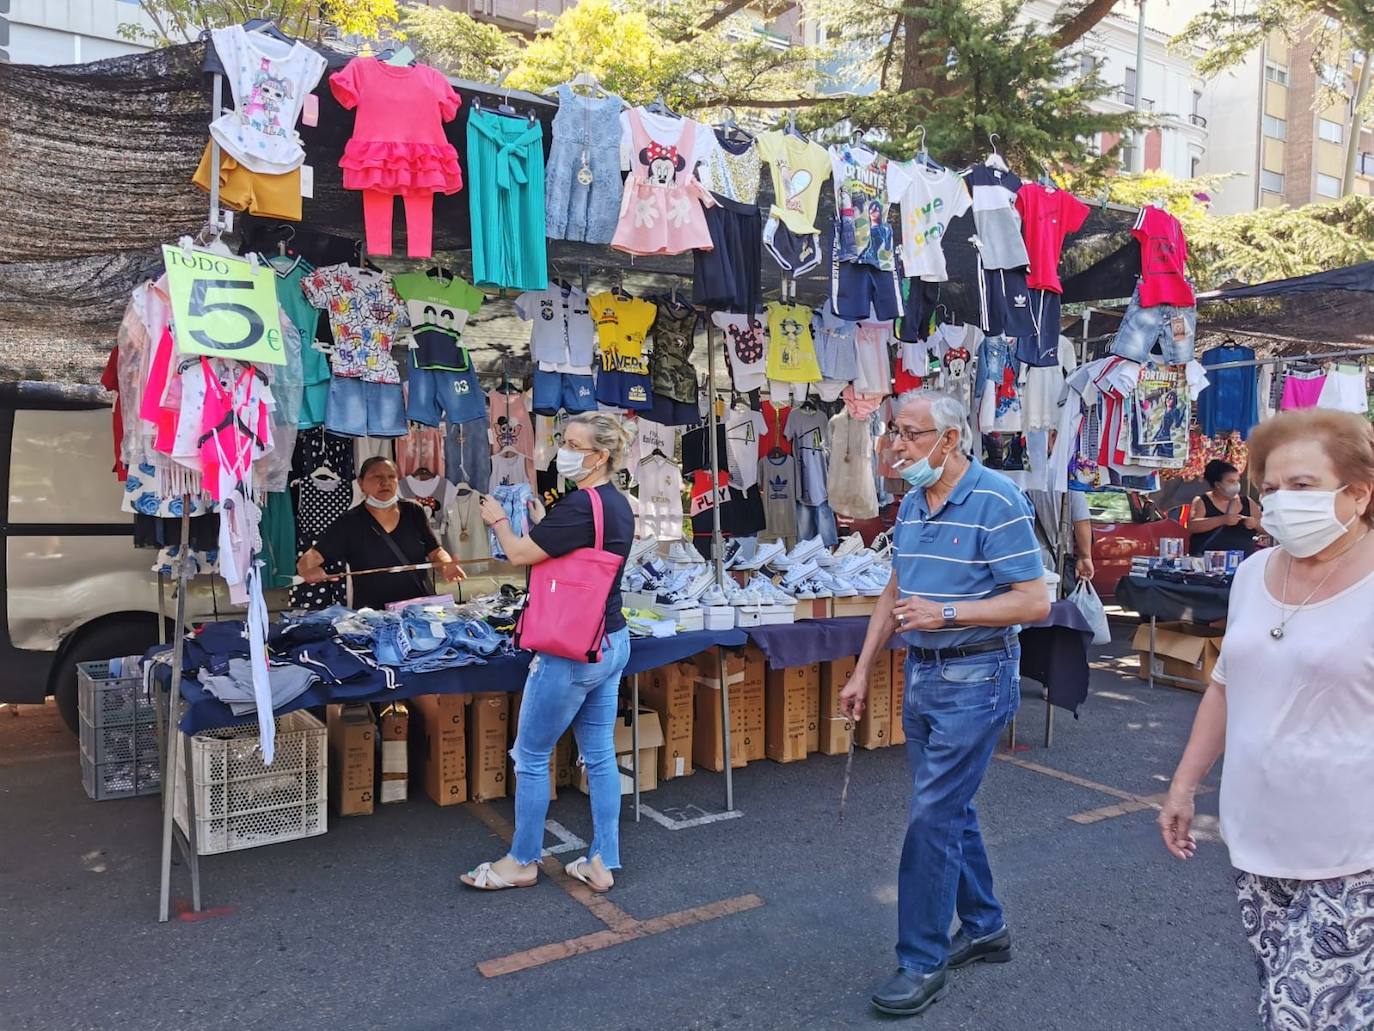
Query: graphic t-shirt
point(269, 80)
point(862, 232)
point(809, 432)
point(1163, 259)
point(791, 351)
point(1047, 217)
point(670, 367)
point(778, 477)
point(621, 324)
point(442, 305)
point(930, 200)
point(995, 217)
point(799, 168)
point(509, 419)
point(774, 421)
point(562, 337)
point(366, 315)
point(746, 349)
point(433, 495)
point(660, 499)
point(743, 431)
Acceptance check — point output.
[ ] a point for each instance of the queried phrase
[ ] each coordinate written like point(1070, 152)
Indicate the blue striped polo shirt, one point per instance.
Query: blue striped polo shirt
point(976, 546)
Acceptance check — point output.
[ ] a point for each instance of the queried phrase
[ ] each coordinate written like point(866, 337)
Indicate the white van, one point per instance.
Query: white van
point(74, 587)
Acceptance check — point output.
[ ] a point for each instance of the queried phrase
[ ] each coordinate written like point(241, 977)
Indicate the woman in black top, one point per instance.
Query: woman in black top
point(1223, 519)
point(561, 693)
point(382, 531)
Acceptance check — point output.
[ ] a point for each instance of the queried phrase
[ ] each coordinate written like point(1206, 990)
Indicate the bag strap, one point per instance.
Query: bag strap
point(594, 496)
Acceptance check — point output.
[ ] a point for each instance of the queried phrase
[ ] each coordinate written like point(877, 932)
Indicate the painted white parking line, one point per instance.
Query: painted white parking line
point(684, 823)
point(567, 840)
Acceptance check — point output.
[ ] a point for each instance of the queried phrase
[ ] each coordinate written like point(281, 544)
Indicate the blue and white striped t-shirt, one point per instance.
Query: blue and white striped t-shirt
point(976, 546)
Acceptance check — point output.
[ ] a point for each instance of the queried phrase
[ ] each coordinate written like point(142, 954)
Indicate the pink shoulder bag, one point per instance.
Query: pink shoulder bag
point(565, 613)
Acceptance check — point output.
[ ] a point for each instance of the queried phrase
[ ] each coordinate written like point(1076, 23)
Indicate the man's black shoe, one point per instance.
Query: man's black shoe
point(908, 992)
point(991, 948)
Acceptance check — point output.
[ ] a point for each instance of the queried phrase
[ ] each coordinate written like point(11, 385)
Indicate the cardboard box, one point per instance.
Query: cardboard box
point(816, 608)
point(487, 737)
point(875, 725)
point(438, 746)
point(668, 691)
point(707, 743)
point(752, 724)
point(786, 692)
point(833, 730)
point(393, 728)
point(352, 758)
point(650, 742)
point(860, 606)
point(898, 695)
point(708, 666)
point(813, 712)
point(1185, 652)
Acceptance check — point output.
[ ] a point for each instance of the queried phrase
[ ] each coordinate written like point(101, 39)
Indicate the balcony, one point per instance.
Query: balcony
point(1128, 99)
point(1198, 120)
point(1365, 166)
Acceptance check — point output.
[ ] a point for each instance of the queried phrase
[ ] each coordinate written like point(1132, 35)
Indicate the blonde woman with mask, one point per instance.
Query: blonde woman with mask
point(1291, 704)
point(559, 692)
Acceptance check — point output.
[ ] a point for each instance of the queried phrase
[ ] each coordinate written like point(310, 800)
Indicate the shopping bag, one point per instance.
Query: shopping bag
point(1093, 611)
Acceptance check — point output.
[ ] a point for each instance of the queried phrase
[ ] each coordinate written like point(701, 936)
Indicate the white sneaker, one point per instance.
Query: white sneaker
point(713, 596)
point(641, 548)
point(683, 554)
point(818, 587)
point(804, 552)
point(763, 555)
point(840, 586)
point(768, 591)
point(854, 563)
point(854, 542)
point(798, 573)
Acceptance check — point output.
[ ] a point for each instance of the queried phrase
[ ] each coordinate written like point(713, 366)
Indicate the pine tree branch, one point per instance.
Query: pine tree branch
point(716, 17)
point(887, 51)
point(1082, 23)
point(750, 102)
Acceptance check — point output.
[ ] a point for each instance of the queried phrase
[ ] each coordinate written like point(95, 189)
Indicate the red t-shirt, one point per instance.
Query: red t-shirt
point(774, 418)
point(1047, 217)
point(110, 381)
point(1163, 260)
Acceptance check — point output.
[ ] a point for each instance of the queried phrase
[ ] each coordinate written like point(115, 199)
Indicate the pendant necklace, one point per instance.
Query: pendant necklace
point(1277, 632)
point(464, 517)
point(584, 174)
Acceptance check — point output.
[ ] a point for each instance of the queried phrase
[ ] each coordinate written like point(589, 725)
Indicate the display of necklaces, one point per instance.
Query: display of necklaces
point(465, 537)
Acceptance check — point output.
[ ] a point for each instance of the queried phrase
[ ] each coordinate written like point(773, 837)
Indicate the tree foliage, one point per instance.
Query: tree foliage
point(1225, 34)
point(176, 21)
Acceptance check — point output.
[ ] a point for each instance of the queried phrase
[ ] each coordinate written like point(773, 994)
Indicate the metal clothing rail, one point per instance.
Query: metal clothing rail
point(1289, 359)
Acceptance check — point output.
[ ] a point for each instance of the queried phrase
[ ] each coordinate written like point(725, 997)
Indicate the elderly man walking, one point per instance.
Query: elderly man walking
point(967, 572)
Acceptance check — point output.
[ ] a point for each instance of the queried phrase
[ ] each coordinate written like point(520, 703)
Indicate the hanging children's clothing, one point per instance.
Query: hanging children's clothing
point(998, 223)
point(319, 499)
point(850, 487)
point(367, 317)
point(582, 188)
point(1048, 215)
point(671, 373)
point(791, 351)
point(465, 538)
point(260, 150)
point(1232, 400)
point(506, 201)
point(433, 495)
point(728, 276)
point(421, 448)
point(509, 468)
point(1344, 389)
point(660, 499)
point(661, 211)
point(398, 147)
point(622, 324)
point(511, 427)
point(1163, 259)
point(835, 352)
point(873, 356)
point(799, 170)
point(778, 476)
point(744, 430)
point(930, 199)
point(745, 349)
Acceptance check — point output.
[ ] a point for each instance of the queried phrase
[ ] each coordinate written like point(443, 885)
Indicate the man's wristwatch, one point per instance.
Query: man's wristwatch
point(949, 613)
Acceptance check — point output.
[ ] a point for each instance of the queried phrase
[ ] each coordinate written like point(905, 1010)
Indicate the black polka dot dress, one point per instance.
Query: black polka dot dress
point(319, 501)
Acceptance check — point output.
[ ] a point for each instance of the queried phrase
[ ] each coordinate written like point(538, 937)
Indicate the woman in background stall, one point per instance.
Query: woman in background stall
point(1222, 519)
point(559, 692)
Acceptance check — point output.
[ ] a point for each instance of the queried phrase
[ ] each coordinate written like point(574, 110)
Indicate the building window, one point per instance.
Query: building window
point(1365, 165)
point(1271, 182)
point(1275, 128)
point(1087, 66)
point(1328, 185)
point(1194, 167)
point(1274, 73)
point(1127, 154)
point(1331, 132)
point(1128, 87)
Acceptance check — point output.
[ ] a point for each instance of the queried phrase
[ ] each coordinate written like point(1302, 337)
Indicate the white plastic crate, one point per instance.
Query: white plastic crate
point(105, 701)
point(243, 803)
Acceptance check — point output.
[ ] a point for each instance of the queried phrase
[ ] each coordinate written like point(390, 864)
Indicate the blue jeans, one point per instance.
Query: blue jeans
point(953, 714)
point(817, 521)
point(559, 694)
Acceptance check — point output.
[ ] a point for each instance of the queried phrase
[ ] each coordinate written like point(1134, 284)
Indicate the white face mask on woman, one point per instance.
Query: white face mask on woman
point(1228, 490)
point(379, 503)
point(569, 464)
point(1303, 522)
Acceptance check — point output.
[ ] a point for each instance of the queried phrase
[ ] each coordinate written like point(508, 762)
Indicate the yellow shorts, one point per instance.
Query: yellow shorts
point(260, 193)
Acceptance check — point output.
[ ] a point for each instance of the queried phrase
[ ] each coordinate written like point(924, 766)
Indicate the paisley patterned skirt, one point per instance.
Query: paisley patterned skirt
point(1314, 949)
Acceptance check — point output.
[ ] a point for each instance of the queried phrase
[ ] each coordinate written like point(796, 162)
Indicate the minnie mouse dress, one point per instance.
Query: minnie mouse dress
point(661, 210)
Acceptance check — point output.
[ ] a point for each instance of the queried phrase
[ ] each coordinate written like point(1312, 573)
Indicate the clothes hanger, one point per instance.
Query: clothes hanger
point(586, 80)
point(659, 106)
point(995, 159)
point(360, 248)
point(423, 472)
point(923, 156)
point(265, 25)
point(791, 129)
point(442, 275)
point(731, 130)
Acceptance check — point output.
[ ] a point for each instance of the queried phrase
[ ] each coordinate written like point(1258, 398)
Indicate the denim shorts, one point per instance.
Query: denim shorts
point(467, 453)
point(457, 396)
point(623, 389)
point(358, 409)
point(1173, 328)
point(555, 390)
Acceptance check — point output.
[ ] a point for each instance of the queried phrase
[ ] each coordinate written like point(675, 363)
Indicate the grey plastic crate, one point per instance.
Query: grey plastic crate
point(125, 742)
point(120, 779)
point(106, 701)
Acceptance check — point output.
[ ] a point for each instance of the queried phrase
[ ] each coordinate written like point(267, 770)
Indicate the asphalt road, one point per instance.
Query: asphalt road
point(365, 927)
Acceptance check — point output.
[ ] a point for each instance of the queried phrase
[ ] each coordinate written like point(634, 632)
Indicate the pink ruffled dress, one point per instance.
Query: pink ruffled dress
point(398, 146)
point(662, 209)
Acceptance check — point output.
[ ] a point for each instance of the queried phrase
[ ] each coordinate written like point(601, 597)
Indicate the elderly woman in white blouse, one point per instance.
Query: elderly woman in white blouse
point(1292, 705)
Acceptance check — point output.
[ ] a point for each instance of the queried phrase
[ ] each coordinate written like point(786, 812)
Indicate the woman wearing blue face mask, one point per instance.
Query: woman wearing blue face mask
point(561, 693)
point(382, 531)
point(1291, 704)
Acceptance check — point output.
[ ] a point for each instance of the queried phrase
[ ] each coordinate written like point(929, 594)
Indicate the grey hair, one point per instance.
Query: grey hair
point(946, 411)
point(610, 433)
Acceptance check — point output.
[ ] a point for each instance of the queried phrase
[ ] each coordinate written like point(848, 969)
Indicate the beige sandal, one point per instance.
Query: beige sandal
point(577, 869)
point(484, 878)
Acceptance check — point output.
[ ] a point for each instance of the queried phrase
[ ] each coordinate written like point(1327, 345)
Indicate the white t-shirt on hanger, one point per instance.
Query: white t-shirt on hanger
point(562, 336)
point(743, 431)
point(660, 500)
point(875, 363)
point(746, 343)
point(929, 200)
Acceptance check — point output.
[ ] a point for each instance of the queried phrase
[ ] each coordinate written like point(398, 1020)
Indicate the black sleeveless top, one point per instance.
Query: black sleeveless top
point(1223, 538)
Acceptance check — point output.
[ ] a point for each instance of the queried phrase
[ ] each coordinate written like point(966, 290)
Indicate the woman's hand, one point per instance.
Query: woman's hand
point(452, 572)
point(314, 575)
point(492, 512)
point(1176, 821)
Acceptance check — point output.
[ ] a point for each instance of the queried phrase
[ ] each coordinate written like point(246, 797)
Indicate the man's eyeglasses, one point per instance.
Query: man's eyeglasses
point(910, 436)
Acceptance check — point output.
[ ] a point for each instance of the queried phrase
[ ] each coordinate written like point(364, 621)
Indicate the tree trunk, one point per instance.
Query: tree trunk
point(1352, 145)
point(1082, 23)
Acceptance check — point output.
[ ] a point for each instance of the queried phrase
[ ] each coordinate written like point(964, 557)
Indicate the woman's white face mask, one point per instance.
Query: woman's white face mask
point(1304, 522)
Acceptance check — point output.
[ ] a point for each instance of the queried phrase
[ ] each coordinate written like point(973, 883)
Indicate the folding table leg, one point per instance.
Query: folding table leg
point(192, 840)
point(725, 731)
point(634, 738)
point(1049, 721)
point(1151, 675)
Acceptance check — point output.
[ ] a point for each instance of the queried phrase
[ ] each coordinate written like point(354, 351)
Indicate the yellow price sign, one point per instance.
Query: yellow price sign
point(222, 306)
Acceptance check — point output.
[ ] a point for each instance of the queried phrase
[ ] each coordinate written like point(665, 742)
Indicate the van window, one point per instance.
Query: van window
point(1109, 506)
point(61, 468)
